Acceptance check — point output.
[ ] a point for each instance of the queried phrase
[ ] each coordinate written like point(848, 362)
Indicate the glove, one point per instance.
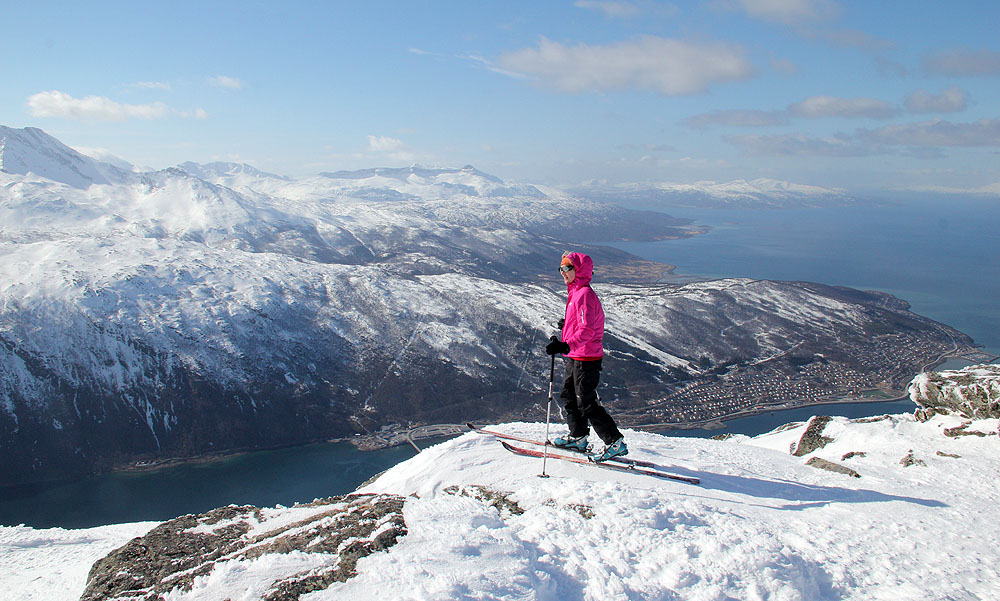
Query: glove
point(562, 322)
point(556, 346)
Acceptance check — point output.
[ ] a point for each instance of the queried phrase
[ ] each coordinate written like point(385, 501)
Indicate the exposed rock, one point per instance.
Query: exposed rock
point(973, 392)
point(830, 466)
point(952, 455)
point(585, 511)
point(853, 454)
point(911, 460)
point(497, 499)
point(963, 430)
point(871, 420)
point(176, 553)
point(813, 439)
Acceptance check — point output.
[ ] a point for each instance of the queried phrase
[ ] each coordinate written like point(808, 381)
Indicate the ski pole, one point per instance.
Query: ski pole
point(548, 413)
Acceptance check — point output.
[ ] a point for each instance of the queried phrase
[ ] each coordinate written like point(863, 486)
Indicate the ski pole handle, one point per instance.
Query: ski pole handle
point(552, 375)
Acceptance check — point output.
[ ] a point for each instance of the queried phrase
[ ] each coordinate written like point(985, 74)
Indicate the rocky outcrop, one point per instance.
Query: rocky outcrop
point(312, 545)
point(499, 500)
point(830, 466)
point(813, 439)
point(910, 459)
point(973, 392)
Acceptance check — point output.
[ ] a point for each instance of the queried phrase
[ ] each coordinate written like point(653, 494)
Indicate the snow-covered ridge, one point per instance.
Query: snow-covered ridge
point(32, 151)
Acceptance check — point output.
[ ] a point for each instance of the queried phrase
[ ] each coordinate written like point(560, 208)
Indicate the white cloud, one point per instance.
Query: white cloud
point(830, 106)
point(153, 85)
point(919, 140)
point(668, 66)
point(785, 66)
point(738, 118)
point(384, 144)
point(60, 104)
point(812, 108)
point(890, 68)
point(987, 190)
point(984, 132)
point(855, 38)
point(611, 8)
point(839, 145)
point(949, 101)
point(391, 148)
point(105, 156)
point(964, 62)
point(789, 12)
point(647, 147)
point(223, 81)
point(198, 113)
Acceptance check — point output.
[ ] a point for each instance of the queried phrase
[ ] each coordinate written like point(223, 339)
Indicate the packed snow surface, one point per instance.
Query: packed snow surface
point(762, 524)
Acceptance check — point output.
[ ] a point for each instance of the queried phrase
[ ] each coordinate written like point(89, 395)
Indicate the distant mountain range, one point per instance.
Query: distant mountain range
point(211, 308)
point(755, 194)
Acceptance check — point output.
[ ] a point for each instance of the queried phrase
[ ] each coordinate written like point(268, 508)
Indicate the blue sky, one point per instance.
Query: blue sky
point(888, 95)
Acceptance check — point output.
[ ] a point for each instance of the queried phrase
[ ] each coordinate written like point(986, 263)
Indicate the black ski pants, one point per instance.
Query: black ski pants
point(583, 410)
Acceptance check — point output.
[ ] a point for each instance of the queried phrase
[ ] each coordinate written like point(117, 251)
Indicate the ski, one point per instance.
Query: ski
point(628, 469)
point(623, 460)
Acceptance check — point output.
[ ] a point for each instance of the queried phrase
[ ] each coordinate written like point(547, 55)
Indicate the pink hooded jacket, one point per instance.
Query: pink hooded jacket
point(584, 327)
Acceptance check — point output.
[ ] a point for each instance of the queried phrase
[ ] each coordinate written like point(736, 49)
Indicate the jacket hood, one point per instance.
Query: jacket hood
point(583, 265)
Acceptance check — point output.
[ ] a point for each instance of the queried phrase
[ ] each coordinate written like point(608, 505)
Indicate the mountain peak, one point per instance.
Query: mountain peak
point(217, 170)
point(31, 150)
point(405, 173)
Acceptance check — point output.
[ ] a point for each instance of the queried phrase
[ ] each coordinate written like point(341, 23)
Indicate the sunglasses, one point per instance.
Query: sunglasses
point(565, 268)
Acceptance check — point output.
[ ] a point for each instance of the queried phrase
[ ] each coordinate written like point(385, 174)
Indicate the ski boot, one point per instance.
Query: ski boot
point(572, 443)
point(615, 449)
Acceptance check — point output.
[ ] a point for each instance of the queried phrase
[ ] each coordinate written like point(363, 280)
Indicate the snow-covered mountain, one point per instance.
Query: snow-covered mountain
point(216, 307)
point(755, 194)
point(31, 151)
point(878, 508)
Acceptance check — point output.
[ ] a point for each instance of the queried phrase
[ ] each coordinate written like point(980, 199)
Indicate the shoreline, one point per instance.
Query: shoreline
point(719, 423)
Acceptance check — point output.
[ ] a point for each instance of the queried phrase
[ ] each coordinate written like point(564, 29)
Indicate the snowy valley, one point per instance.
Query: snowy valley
point(211, 308)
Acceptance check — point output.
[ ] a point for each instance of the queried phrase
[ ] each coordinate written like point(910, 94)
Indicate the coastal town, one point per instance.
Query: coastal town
point(882, 374)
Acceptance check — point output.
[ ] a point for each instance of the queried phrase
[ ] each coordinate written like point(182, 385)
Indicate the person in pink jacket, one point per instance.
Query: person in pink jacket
point(582, 346)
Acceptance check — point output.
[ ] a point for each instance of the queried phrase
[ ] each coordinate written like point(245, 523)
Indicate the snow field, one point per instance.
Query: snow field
point(52, 564)
point(762, 525)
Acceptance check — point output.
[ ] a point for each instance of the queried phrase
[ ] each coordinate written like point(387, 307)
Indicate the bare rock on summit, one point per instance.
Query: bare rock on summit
point(321, 543)
point(813, 439)
point(830, 466)
point(973, 392)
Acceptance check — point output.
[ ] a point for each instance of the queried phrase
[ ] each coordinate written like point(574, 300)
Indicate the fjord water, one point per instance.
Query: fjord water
point(942, 255)
point(262, 478)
